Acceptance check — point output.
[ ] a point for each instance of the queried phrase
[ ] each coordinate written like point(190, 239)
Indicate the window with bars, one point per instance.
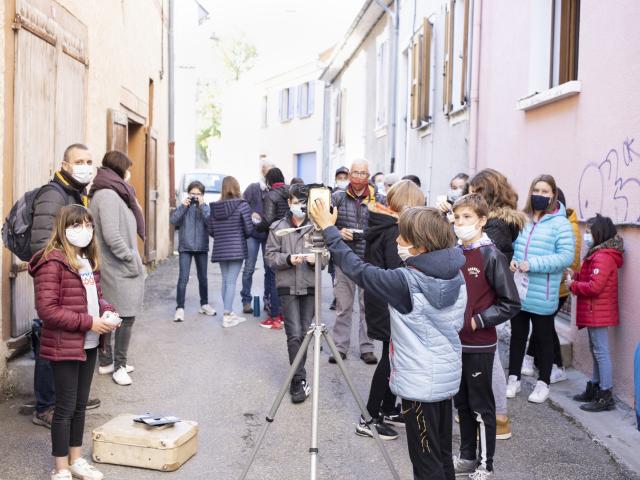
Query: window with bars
point(456, 55)
point(264, 119)
point(421, 68)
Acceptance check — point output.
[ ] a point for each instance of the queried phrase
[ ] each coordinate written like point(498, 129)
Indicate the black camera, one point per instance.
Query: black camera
point(193, 200)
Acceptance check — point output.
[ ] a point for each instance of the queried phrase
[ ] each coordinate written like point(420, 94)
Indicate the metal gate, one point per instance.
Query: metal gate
point(49, 114)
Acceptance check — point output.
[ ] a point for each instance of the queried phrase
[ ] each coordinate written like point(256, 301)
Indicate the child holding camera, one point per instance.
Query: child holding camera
point(427, 300)
point(294, 265)
point(492, 299)
point(193, 243)
point(75, 315)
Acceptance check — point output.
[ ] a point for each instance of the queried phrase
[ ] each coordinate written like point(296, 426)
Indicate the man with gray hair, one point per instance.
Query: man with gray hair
point(353, 214)
point(254, 195)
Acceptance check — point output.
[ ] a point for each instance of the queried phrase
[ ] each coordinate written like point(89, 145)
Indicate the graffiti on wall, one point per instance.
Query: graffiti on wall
point(612, 187)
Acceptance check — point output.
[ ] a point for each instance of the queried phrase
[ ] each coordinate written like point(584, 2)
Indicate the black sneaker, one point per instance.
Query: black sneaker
point(299, 391)
point(333, 305)
point(394, 417)
point(385, 432)
point(93, 403)
point(333, 360)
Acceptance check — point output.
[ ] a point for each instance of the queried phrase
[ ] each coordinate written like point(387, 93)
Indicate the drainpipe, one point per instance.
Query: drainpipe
point(393, 65)
point(475, 87)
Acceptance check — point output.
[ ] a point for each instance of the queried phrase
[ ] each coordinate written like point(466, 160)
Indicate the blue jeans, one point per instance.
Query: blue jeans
point(43, 385)
point(183, 277)
point(253, 248)
point(230, 270)
point(602, 368)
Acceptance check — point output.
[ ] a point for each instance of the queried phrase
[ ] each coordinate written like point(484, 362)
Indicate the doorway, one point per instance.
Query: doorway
point(306, 167)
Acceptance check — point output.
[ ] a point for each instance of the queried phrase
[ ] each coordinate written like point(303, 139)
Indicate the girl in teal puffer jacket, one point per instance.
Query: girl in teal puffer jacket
point(544, 248)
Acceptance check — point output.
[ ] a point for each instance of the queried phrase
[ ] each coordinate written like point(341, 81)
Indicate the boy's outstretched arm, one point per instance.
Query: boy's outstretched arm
point(389, 286)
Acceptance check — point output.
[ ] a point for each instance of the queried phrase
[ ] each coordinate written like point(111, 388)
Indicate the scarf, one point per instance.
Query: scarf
point(107, 178)
point(277, 185)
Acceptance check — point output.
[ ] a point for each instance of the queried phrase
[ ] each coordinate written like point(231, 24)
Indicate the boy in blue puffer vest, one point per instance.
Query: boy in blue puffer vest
point(427, 299)
point(492, 299)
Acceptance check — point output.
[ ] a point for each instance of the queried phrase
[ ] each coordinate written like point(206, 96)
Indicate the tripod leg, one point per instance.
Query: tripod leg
point(313, 450)
point(358, 399)
point(278, 400)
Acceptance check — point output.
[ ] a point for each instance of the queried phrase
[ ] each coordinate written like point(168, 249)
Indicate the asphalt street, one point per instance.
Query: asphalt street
point(226, 380)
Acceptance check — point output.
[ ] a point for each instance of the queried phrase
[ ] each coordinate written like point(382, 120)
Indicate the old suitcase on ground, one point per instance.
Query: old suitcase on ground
point(121, 441)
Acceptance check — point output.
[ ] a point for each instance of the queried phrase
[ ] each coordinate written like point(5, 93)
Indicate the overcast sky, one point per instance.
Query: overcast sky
point(285, 32)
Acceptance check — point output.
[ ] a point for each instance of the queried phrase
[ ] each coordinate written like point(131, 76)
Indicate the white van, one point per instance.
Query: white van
point(212, 183)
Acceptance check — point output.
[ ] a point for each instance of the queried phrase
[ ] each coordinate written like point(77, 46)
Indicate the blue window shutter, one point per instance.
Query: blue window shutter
point(292, 102)
point(311, 97)
point(299, 107)
point(280, 112)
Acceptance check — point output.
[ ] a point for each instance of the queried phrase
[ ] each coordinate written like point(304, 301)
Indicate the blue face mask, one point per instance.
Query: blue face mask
point(587, 239)
point(296, 210)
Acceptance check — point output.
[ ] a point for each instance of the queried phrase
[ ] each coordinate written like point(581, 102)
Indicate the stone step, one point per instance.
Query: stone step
point(20, 373)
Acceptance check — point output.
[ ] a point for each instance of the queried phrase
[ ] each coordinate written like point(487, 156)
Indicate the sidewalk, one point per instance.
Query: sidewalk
point(226, 380)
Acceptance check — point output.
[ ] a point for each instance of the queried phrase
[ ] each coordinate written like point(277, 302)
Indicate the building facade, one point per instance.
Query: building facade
point(76, 73)
point(557, 96)
point(523, 87)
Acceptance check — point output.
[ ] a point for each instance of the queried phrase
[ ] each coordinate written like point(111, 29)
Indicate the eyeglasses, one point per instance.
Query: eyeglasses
point(77, 227)
point(359, 174)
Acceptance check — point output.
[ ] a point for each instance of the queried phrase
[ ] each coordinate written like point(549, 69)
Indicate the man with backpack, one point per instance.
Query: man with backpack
point(67, 187)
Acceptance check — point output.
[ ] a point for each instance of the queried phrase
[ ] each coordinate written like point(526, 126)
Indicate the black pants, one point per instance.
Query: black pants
point(543, 327)
point(298, 311)
point(557, 354)
point(381, 398)
point(429, 439)
point(43, 386)
point(477, 409)
point(73, 381)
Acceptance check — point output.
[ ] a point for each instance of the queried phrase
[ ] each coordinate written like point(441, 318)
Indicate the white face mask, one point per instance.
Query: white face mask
point(453, 194)
point(588, 240)
point(127, 176)
point(296, 210)
point(343, 184)
point(82, 173)
point(380, 187)
point(466, 232)
point(79, 237)
point(404, 253)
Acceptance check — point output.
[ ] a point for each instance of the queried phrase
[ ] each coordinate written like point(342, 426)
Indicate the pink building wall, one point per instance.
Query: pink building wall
point(589, 142)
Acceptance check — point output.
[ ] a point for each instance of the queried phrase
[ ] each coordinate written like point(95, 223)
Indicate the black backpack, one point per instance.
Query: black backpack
point(16, 230)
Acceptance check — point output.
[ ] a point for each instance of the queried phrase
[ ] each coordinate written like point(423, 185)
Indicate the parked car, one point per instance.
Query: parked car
point(212, 182)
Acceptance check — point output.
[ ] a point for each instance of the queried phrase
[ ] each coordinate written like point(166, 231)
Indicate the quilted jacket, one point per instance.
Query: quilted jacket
point(61, 302)
point(596, 286)
point(549, 246)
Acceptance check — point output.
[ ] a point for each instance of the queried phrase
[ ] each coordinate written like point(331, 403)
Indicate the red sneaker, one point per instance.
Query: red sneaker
point(277, 323)
point(268, 323)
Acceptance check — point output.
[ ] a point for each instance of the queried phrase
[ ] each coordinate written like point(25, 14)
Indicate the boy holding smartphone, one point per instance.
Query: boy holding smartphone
point(294, 265)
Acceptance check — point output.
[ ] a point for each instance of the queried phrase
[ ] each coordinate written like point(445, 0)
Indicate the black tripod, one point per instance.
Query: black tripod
point(317, 331)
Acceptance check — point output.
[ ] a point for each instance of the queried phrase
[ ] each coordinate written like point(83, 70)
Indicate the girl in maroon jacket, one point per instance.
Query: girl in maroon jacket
point(74, 315)
point(596, 288)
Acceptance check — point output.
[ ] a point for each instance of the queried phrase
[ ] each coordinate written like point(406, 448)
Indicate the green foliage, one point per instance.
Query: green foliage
point(239, 56)
point(208, 117)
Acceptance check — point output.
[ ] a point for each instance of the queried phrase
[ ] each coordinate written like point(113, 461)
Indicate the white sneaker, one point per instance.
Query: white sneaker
point(207, 309)
point(481, 473)
point(84, 470)
point(231, 320)
point(179, 316)
point(110, 369)
point(527, 366)
point(61, 475)
point(513, 386)
point(557, 374)
point(121, 377)
point(540, 393)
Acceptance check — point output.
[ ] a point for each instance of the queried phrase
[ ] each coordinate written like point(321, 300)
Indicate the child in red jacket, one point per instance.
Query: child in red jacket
point(596, 289)
point(74, 315)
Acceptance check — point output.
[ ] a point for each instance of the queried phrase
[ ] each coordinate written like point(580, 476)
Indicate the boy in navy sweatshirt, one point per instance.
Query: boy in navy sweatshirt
point(492, 298)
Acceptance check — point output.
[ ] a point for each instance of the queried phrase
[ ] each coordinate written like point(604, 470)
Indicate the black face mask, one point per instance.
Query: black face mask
point(539, 203)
